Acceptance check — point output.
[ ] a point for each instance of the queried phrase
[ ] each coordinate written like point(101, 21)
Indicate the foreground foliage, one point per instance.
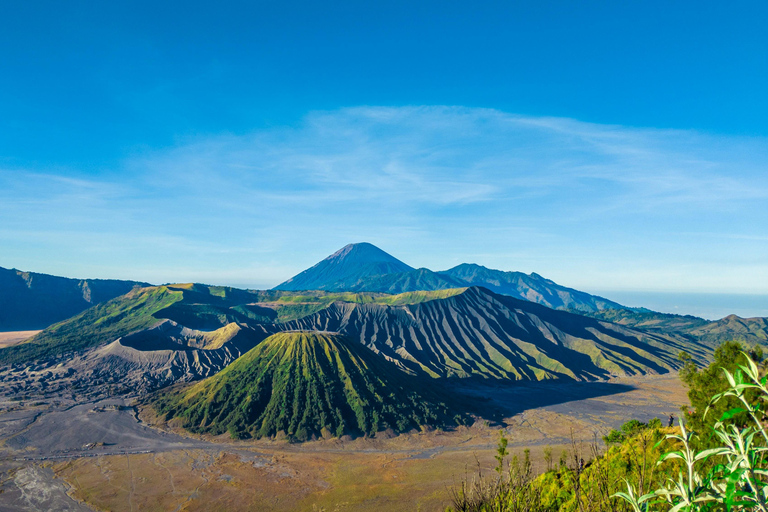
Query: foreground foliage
point(739, 480)
point(723, 467)
point(704, 383)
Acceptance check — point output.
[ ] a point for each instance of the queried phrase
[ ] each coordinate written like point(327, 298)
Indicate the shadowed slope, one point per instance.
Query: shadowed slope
point(98, 325)
point(481, 333)
point(306, 384)
point(344, 268)
point(32, 301)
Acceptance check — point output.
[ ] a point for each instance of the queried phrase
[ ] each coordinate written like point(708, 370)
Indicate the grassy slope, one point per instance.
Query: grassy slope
point(32, 301)
point(294, 305)
point(748, 330)
point(192, 305)
point(305, 384)
point(733, 328)
point(100, 324)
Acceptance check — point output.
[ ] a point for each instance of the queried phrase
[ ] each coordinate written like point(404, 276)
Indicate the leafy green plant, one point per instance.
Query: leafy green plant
point(513, 490)
point(739, 479)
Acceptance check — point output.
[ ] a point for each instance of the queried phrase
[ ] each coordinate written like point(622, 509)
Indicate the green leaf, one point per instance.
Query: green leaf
point(731, 413)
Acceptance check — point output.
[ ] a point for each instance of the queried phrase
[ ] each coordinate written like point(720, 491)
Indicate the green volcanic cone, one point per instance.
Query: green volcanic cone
point(307, 384)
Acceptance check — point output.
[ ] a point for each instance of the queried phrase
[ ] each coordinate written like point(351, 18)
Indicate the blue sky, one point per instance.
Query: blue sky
point(605, 145)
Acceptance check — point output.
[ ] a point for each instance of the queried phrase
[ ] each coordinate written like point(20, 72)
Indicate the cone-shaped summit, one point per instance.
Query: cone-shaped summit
point(342, 269)
point(306, 384)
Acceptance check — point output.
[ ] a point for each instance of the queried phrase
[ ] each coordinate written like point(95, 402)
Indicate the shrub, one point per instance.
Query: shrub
point(739, 479)
point(648, 468)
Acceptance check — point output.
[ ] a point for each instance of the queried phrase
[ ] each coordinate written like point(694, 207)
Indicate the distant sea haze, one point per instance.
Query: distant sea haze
point(712, 306)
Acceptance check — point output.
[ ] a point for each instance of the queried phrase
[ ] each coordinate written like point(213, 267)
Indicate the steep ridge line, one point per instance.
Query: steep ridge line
point(33, 301)
point(307, 384)
point(366, 268)
point(484, 334)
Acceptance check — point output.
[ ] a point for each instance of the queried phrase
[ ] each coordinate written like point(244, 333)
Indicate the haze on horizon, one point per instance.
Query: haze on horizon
point(609, 148)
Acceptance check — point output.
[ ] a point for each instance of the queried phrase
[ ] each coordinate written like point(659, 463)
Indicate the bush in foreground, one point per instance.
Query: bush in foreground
point(648, 468)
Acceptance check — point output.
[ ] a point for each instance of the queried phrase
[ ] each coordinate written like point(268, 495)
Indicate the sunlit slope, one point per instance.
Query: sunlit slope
point(30, 301)
point(532, 287)
point(481, 333)
point(304, 384)
point(98, 325)
point(300, 304)
point(192, 307)
point(731, 328)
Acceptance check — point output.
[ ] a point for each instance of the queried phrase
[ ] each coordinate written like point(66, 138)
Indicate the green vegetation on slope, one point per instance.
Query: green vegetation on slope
point(304, 385)
point(646, 319)
point(722, 466)
point(730, 328)
point(100, 324)
point(293, 307)
point(195, 306)
point(30, 301)
point(420, 279)
point(409, 298)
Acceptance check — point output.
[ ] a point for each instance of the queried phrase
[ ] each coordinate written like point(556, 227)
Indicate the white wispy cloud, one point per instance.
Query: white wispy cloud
point(425, 182)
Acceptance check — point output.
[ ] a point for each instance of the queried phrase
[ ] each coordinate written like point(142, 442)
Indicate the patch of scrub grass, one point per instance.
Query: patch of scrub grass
point(100, 324)
point(293, 307)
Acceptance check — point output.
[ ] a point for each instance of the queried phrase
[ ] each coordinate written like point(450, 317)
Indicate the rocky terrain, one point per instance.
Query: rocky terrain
point(480, 333)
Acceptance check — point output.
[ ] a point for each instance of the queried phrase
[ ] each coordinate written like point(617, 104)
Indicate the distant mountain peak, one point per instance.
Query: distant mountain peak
point(346, 267)
point(363, 250)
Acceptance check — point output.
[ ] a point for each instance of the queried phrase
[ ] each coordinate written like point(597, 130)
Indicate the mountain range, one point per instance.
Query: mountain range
point(334, 350)
point(363, 267)
point(459, 332)
point(471, 328)
point(478, 332)
point(32, 301)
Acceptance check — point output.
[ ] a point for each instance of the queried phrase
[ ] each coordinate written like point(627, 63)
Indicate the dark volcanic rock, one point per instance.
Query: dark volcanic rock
point(481, 333)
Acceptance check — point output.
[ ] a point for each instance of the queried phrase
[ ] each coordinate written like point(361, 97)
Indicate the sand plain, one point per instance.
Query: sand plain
point(101, 456)
point(10, 338)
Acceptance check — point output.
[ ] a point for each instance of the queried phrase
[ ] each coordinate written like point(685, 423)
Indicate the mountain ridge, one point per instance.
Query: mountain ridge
point(363, 275)
point(347, 265)
point(33, 301)
point(304, 385)
point(532, 287)
point(481, 333)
